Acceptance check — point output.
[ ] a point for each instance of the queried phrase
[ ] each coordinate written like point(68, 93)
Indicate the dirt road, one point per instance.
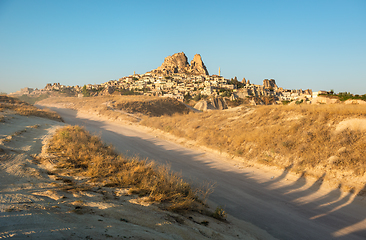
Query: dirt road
point(287, 206)
point(40, 201)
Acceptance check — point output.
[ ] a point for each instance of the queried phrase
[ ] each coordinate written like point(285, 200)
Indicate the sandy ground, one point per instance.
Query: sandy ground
point(286, 205)
point(37, 203)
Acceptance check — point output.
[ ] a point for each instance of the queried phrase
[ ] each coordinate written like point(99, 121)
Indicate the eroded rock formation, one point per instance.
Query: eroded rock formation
point(216, 103)
point(269, 84)
point(197, 66)
point(178, 63)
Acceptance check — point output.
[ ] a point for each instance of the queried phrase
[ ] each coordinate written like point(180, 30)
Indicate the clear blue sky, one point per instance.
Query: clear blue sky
point(301, 44)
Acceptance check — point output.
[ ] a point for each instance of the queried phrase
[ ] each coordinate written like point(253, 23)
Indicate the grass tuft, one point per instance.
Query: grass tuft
point(87, 155)
point(25, 109)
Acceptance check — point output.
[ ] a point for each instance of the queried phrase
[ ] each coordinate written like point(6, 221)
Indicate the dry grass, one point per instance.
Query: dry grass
point(87, 155)
point(302, 137)
point(25, 109)
point(114, 106)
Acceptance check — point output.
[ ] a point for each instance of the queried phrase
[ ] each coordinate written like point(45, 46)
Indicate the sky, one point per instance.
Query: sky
point(319, 44)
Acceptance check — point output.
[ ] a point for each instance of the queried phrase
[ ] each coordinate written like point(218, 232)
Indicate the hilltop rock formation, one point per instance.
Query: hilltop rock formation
point(178, 63)
point(269, 84)
point(197, 66)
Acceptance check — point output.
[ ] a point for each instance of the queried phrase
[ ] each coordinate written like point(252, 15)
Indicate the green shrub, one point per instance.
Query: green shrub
point(219, 213)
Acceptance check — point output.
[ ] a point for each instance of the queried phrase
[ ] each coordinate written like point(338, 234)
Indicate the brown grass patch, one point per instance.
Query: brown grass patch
point(85, 154)
point(117, 106)
point(25, 109)
point(302, 136)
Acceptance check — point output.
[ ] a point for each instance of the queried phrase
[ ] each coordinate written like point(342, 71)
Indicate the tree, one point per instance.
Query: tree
point(197, 97)
point(85, 92)
point(187, 97)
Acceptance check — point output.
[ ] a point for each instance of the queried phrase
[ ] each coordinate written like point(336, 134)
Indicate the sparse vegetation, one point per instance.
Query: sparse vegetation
point(113, 105)
point(300, 136)
point(33, 100)
point(237, 102)
point(84, 154)
point(343, 96)
point(85, 91)
point(156, 107)
point(25, 109)
point(128, 92)
point(220, 213)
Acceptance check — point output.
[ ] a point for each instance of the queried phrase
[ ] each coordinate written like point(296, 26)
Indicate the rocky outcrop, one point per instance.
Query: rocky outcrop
point(271, 84)
point(308, 92)
point(324, 100)
point(203, 105)
point(178, 63)
point(197, 66)
point(23, 91)
point(355, 101)
point(213, 104)
point(218, 103)
point(107, 91)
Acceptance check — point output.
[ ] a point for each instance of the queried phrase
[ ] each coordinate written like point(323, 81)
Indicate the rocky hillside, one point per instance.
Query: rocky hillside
point(178, 63)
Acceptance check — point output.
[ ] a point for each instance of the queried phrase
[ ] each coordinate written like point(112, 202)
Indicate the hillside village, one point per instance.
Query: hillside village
point(178, 79)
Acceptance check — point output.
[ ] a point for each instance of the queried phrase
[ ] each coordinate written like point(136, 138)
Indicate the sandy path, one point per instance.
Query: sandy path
point(286, 205)
point(35, 203)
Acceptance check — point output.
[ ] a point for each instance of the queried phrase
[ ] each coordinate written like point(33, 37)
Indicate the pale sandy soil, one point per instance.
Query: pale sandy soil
point(333, 178)
point(309, 204)
point(37, 203)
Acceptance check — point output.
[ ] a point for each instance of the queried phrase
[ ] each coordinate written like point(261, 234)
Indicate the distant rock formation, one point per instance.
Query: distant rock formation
point(355, 101)
point(216, 103)
point(204, 105)
point(178, 63)
point(197, 66)
point(269, 84)
point(324, 100)
point(308, 92)
point(23, 91)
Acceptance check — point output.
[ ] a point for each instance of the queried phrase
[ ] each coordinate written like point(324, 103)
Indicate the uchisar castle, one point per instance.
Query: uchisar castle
point(177, 78)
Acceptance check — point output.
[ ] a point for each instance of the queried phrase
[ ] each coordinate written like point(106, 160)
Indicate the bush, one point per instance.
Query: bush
point(299, 102)
point(197, 97)
point(85, 92)
point(25, 109)
point(219, 213)
point(87, 155)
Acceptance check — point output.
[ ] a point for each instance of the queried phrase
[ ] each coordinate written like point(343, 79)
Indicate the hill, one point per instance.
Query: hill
point(323, 141)
point(61, 182)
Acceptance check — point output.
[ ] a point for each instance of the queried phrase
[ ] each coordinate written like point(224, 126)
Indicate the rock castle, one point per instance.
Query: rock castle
point(178, 79)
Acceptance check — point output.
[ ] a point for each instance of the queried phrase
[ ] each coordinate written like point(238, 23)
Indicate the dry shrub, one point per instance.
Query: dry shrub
point(87, 155)
point(114, 106)
point(25, 109)
point(155, 107)
point(303, 135)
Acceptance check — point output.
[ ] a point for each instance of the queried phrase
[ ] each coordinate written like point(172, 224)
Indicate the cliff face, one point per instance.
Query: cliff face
point(269, 83)
point(197, 66)
point(178, 63)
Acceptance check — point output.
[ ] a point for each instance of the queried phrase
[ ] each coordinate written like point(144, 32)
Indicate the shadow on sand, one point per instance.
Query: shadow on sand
point(334, 215)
